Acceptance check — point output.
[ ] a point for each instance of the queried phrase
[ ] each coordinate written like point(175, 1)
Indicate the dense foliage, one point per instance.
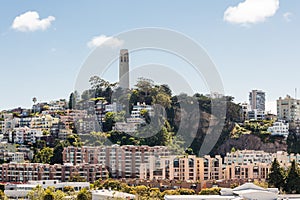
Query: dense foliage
point(285, 180)
point(180, 121)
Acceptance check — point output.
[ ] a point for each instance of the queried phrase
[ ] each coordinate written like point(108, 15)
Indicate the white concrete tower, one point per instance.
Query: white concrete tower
point(124, 69)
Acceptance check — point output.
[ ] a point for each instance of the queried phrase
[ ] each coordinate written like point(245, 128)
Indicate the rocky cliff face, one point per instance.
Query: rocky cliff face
point(253, 142)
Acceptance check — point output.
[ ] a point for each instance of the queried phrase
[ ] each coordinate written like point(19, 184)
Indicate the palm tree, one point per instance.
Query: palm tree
point(34, 99)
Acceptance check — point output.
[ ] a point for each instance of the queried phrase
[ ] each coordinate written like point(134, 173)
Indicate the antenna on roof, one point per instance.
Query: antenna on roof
point(295, 93)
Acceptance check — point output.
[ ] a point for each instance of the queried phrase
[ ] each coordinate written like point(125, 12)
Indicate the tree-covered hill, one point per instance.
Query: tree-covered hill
point(184, 121)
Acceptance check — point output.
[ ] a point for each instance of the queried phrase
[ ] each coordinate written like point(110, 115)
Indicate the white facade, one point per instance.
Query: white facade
point(256, 114)
point(110, 194)
point(21, 190)
point(25, 134)
point(279, 128)
point(248, 156)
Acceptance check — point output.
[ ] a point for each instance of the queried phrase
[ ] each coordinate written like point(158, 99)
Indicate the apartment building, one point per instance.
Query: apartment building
point(280, 128)
point(24, 172)
point(87, 124)
point(121, 161)
point(12, 157)
point(210, 168)
point(183, 168)
point(257, 99)
point(288, 109)
point(25, 135)
point(245, 157)
point(43, 122)
point(136, 116)
point(247, 171)
point(71, 116)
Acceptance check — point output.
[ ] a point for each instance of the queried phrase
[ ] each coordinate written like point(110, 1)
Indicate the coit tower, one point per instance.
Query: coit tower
point(124, 69)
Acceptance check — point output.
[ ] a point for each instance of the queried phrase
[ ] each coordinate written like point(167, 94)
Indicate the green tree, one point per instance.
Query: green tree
point(77, 178)
point(292, 185)
point(276, 175)
point(186, 191)
point(109, 121)
point(69, 189)
point(162, 99)
point(43, 156)
point(142, 191)
point(57, 153)
point(2, 195)
point(59, 195)
point(49, 194)
point(74, 140)
point(84, 194)
point(210, 191)
point(171, 192)
point(36, 193)
point(112, 184)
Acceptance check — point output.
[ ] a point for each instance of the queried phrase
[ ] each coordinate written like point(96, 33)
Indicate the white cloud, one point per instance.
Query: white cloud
point(105, 40)
point(251, 11)
point(30, 21)
point(287, 16)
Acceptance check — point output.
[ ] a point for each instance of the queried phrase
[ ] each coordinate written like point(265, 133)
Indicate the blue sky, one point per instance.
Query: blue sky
point(252, 49)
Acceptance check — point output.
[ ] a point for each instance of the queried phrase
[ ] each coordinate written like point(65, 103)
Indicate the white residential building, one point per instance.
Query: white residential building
point(248, 157)
point(16, 191)
point(25, 135)
point(136, 110)
point(279, 128)
point(256, 114)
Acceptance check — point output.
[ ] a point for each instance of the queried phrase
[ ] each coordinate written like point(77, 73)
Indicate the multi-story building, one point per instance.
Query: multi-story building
point(247, 171)
point(245, 109)
point(211, 168)
point(136, 117)
point(121, 161)
point(257, 100)
point(136, 110)
point(24, 172)
point(43, 122)
point(256, 114)
point(126, 127)
point(2, 125)
point(288, 109)
point(245, 157)
point(114, 107)
point(70, 117)
point(183, 168)
point(25, 135)
point(87, 124)
point(24, 122)
point(279, 128)
point(12, 157)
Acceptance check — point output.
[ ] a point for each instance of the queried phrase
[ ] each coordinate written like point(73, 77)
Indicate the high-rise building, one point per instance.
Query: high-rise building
point(124, 69)
point(257, 100)
point(288, 109)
